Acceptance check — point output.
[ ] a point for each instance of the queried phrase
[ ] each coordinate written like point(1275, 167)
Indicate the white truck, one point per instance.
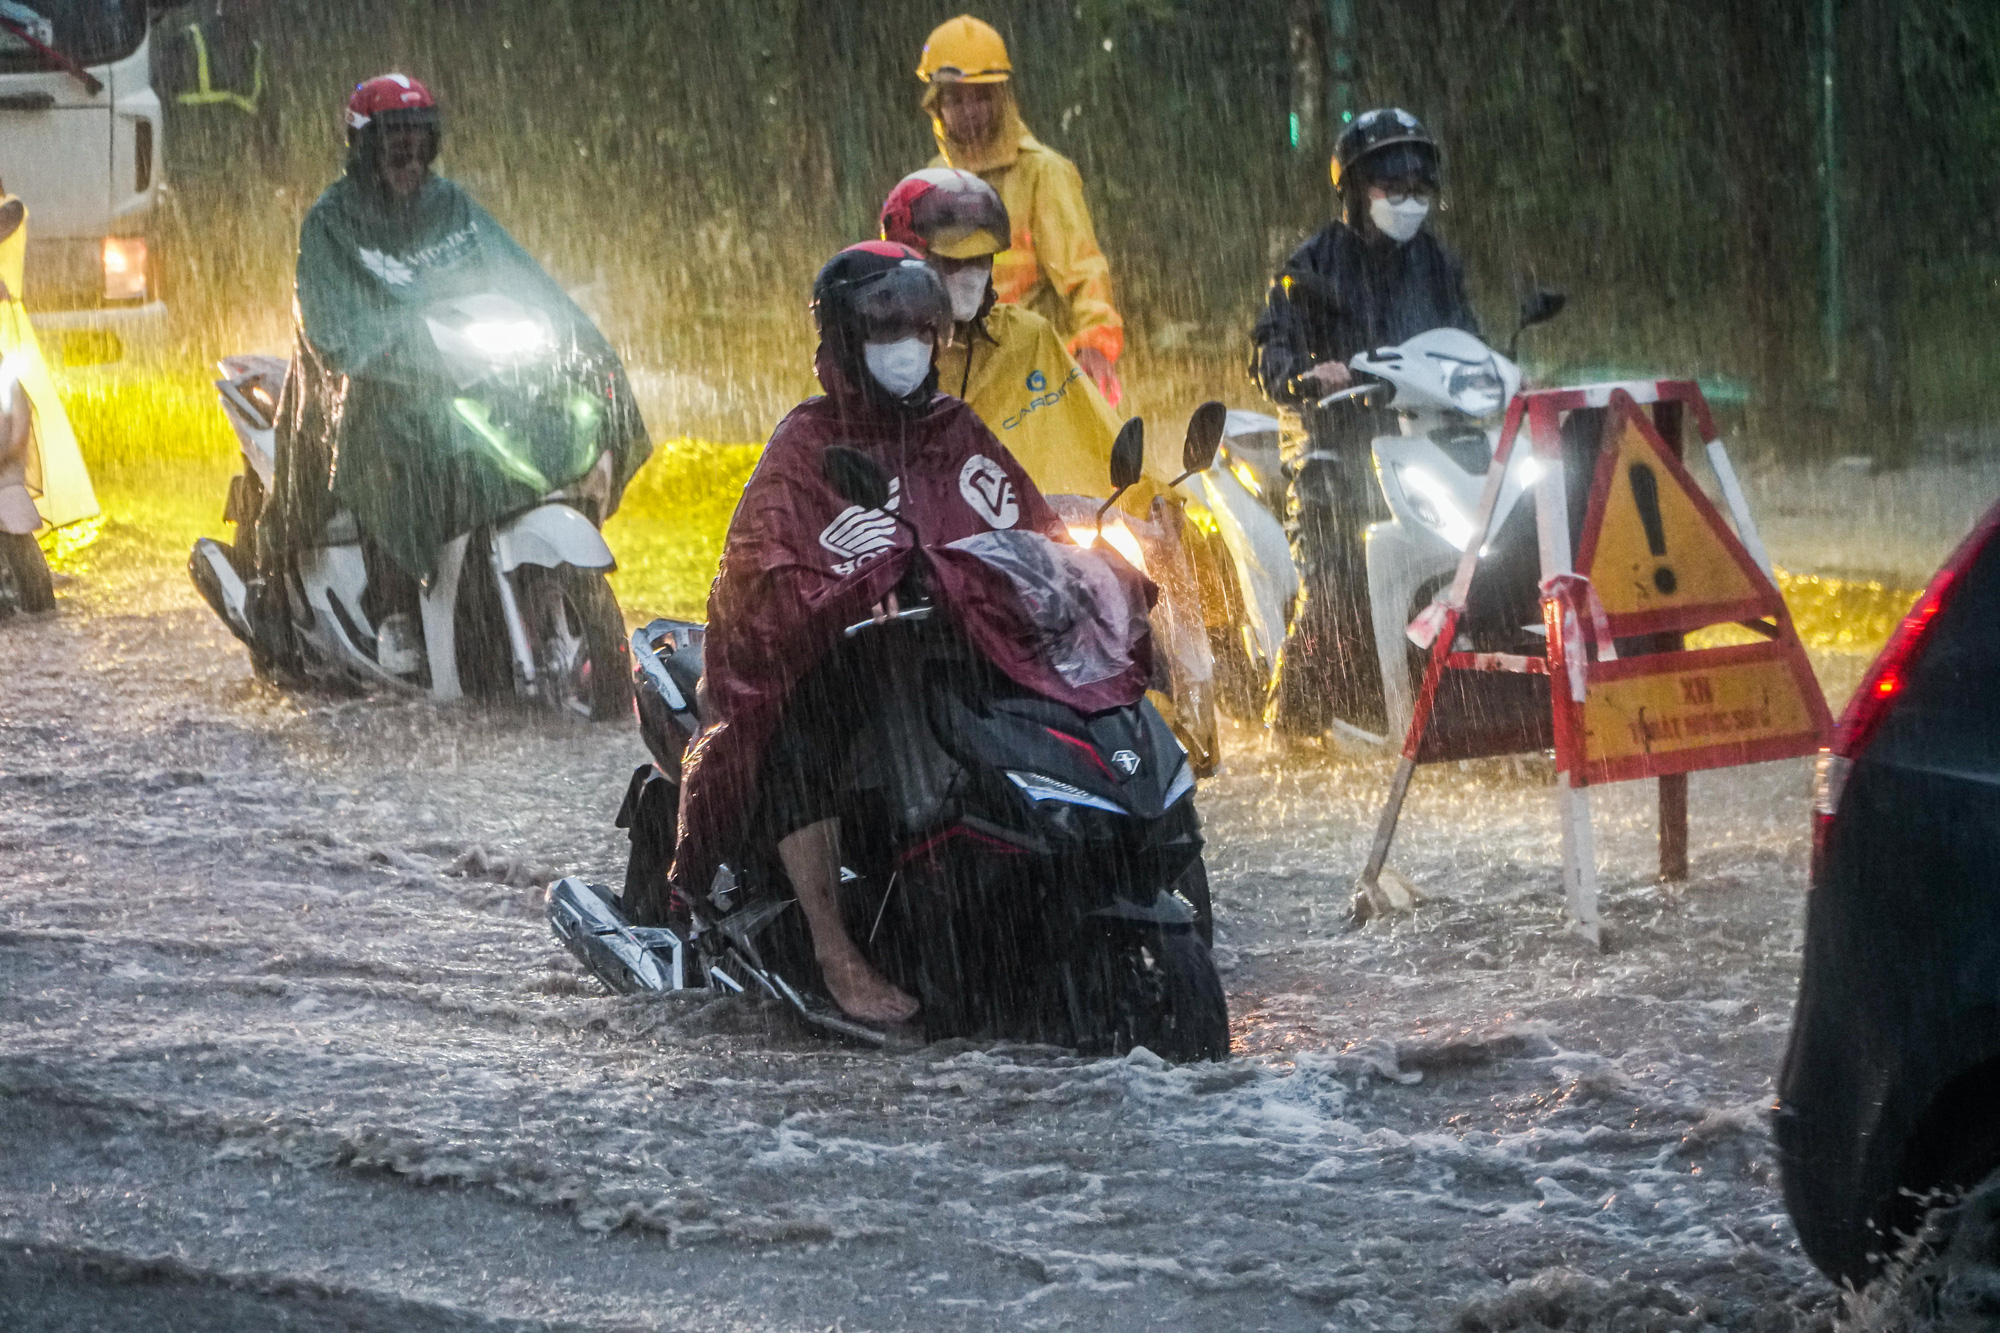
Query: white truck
point(81, 145)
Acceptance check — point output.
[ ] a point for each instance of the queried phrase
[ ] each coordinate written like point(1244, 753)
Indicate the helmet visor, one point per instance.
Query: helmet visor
point(960, 223)
point(1400, 162)
point(904, 302)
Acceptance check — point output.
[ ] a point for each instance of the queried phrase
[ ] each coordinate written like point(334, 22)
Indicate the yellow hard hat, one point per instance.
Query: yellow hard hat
point(964, 50)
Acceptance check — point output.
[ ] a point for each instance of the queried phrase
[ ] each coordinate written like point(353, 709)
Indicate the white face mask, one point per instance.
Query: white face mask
point(899, 366)
point(967, 290)
point(1399, 222)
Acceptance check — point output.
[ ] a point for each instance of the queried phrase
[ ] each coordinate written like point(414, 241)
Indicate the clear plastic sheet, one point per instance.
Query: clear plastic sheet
point(1088, 623)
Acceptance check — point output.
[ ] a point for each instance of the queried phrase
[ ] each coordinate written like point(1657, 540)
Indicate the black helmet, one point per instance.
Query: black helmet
point(1385, 144)
point(879, 291)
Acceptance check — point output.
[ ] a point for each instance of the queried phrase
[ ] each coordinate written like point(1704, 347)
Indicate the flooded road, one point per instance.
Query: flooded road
point(285, 1043)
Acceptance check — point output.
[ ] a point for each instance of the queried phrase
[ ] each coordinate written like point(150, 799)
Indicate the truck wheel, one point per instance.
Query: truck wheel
point(583, 665)
point(1157, 989)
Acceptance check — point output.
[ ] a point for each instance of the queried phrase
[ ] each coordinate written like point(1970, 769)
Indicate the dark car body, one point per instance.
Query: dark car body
point(1890, 1092)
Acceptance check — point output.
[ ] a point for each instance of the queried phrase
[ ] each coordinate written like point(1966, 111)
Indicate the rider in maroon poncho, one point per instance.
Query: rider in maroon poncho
point(801, 562)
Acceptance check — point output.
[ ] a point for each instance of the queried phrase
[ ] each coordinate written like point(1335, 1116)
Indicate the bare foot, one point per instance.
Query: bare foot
point(864, 994)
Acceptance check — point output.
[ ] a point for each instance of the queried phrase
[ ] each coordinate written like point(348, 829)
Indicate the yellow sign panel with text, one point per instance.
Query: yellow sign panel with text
point(1680, 711)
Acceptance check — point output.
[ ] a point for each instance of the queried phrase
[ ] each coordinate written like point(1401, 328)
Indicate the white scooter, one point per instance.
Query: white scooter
point(1450, 393)
point(521, 605)
point(1244, 559)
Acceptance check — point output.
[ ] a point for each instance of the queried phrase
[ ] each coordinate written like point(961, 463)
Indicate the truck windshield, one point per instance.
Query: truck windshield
point(90, 32)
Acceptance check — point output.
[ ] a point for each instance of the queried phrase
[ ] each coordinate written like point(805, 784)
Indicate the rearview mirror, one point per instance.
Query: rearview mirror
point(1128, 454)
point(856, 476)
point(1541, 305)
point(1204, 439)
point(1128, 460)
point(1536, 307)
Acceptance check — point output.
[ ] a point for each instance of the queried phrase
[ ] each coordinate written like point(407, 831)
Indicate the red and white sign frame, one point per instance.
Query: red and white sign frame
point(1571, 640)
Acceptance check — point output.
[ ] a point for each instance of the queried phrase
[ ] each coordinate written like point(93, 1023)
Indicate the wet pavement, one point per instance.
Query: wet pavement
point(285, 1043)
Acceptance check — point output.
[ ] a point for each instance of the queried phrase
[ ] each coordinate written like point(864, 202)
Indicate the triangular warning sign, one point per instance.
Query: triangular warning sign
point(1655, 549)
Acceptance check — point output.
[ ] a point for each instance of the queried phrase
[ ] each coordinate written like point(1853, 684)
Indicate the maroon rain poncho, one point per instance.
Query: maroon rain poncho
point(801, 562)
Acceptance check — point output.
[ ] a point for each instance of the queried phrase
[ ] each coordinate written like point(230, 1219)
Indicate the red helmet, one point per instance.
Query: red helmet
point(947, 212)
point(397, 99)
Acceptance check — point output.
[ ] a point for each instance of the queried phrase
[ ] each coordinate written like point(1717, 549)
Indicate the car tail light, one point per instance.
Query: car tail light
point(1884, 683)
point(124, 268)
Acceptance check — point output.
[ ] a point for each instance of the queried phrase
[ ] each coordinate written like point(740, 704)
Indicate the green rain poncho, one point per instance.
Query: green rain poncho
point(375, 421)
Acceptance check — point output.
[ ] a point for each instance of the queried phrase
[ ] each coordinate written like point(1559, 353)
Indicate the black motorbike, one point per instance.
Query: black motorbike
point(1025, 870)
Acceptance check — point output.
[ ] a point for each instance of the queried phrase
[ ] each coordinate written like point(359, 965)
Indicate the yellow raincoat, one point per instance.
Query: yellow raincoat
point(1053, 264)
point(1017, 375)
point(53, 472)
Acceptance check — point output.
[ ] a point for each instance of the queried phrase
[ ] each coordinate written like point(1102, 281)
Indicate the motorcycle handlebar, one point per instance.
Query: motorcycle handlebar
point(913, 613)
point(1354, 391)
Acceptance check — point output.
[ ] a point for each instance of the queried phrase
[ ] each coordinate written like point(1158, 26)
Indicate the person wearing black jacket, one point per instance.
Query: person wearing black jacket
point(1372, 278)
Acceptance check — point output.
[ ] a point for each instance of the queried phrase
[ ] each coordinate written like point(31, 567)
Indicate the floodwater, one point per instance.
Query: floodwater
point(287, 1044)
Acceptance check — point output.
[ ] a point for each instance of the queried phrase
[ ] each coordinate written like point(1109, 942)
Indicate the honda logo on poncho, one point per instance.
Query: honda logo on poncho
point(858, 534)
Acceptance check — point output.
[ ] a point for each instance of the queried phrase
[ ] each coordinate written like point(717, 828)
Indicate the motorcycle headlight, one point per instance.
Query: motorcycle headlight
point(481, 335)
point(1432, 504)
point(1476, 390)
point(1116, 535)
point(1120, 539)
point(504, 337)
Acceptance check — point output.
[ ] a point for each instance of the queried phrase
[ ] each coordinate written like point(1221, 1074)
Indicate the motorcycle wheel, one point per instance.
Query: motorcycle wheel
point(1157, 989)
point(34, 588)
point(583, 665)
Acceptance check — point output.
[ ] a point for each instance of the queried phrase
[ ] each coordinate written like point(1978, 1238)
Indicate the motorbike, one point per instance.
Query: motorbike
point(1449, 393)
point(531, 583)
point(1025, 870)
point(1224, 568)
point(1174, 546)
point(1242, 560)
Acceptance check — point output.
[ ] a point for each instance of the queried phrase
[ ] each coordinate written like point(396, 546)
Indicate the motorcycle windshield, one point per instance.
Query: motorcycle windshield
point(1089, 625)
point(443, 380)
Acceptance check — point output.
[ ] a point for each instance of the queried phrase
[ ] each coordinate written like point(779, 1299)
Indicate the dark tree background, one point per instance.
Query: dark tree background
point(1661, 160)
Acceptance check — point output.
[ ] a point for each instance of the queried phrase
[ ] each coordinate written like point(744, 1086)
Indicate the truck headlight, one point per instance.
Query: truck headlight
point(124, 268)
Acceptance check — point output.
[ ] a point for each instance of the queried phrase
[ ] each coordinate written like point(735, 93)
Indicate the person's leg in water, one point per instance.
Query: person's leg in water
point(811, 857)
point(1328, 666)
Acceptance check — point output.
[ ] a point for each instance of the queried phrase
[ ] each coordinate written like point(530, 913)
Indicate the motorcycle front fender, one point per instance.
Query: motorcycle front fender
point(551, 535)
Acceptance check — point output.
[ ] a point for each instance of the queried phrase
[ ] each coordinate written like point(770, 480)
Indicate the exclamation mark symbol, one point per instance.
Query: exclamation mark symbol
point(1646, 494)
